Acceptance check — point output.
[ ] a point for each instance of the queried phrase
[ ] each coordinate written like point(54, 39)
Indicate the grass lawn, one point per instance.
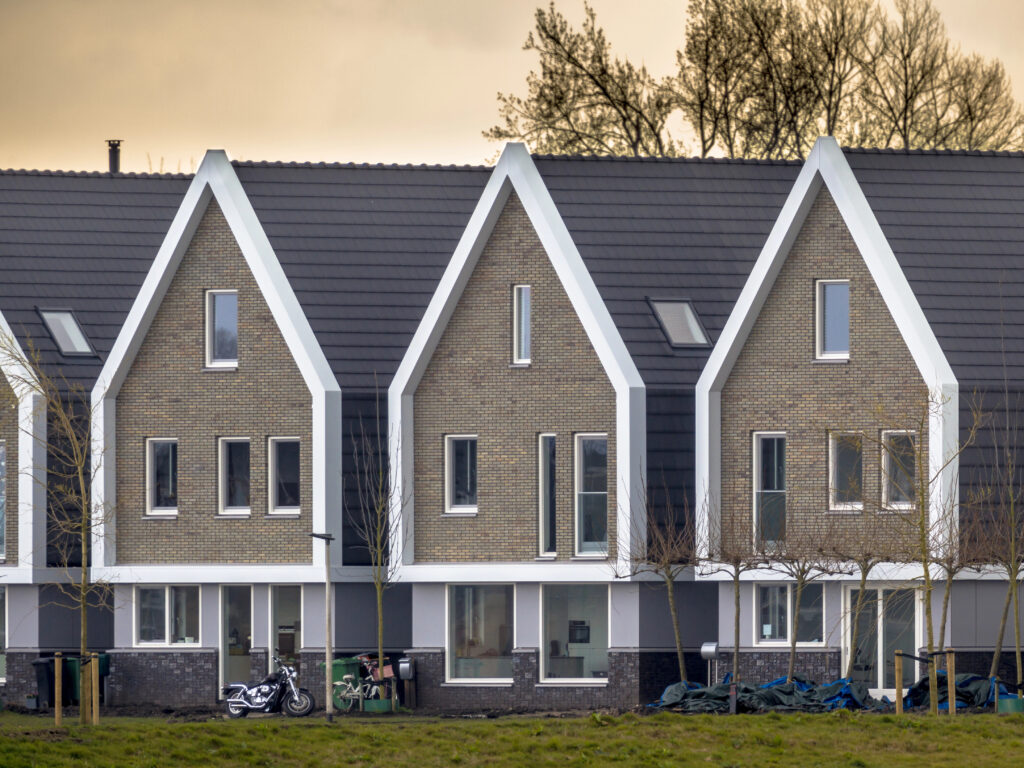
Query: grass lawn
point(838, 739)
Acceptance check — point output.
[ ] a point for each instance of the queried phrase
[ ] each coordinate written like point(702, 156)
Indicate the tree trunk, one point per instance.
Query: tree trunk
point(854, 626)
point(379, 586)
point(1016, 629)
point(670, 588)
point(84, 678)
point(736, 627)
point(993, 670)
point(933, 672)
point(945, 611)
point(796, 625)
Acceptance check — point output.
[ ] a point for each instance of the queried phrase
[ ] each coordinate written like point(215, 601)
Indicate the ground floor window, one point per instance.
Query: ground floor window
point(167, 615)
point(575, 631)
point(775, 605)
point(480, 631)
point(886, 621)
point(286, 622)
point(236, 632)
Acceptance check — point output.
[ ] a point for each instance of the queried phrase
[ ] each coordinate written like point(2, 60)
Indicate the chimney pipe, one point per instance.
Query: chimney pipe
point(115, 154)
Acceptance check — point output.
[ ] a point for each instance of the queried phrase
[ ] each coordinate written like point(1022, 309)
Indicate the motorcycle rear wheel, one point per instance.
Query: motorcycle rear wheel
point(298, 706)
point(236, 711)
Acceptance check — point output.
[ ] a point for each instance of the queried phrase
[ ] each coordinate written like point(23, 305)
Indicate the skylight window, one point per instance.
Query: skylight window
point(679, 322)
point(66, 332)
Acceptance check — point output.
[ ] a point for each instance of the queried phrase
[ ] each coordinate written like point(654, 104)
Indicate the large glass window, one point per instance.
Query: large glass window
point(236, 632)
point(167, 615)
point(833, 321)
point(461, 475)
point(811, 612)
point(575, 641)
point(234, 476)
point(777, 609)
point(163, 476)
point(847, 482)
point(899, 467)
point(521, 321)
point(770, 489)
point(284, 475)
point(222, 328)
point(546, 493)
point(480, 635)
point(591, 494)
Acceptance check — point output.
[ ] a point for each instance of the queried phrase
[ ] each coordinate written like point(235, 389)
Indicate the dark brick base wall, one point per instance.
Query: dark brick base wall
point(979, 662)
point(524, 694)
point(165, 677)
point(660, 669)
point(21, 676)
point(762, 666)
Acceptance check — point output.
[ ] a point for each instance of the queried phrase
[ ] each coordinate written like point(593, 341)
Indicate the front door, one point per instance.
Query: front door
point(236, 633)
point(886, 622)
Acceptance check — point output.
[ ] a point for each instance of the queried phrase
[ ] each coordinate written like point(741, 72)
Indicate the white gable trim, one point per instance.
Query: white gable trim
point(216, 179)
point(827, 165)
point(515, 171)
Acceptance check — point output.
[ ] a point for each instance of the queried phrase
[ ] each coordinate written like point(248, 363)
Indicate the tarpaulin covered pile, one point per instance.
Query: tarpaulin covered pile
point(971, 691)
point(796, 696)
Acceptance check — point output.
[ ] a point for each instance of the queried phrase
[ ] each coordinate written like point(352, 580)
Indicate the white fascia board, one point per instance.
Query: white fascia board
point(216, 179)
point(883, 572)
point(827, 166)
point(190, 573)
point(516, 171)
point(601, 571)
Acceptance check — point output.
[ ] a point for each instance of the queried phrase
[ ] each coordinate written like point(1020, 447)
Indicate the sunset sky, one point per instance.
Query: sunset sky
point(331, 80)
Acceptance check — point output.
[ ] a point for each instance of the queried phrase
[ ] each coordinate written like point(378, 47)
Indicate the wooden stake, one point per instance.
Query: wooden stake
point(95, 689)
point(58, 689)
point(898, 664)
point(951, 679)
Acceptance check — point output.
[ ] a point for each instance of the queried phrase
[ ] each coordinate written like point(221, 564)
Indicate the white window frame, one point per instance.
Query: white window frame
point(790, 615)
point(152, 511)
point(833, 505)
point(272, 508)
point(516, 291)
point(596, 682)
point(210, 362)
point(849, 603)
point(165, 643)
point(222, 478)
point(459, 509)
point(470, 681)
point(576, 483)
point(895, 506)
point(542, 495)
point(819, 321)
point(756, 478)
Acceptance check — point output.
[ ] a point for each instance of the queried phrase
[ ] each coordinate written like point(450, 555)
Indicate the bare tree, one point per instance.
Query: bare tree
point(68, 412)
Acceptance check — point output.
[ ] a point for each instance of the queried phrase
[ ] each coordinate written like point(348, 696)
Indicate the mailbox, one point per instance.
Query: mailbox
point(709, 651)
point(407, 668)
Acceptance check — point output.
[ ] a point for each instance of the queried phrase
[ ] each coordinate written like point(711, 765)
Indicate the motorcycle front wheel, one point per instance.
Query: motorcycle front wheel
point(298, 706)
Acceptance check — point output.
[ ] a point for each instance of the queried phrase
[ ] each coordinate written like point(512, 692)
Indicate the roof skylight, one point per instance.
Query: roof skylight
point(66, 332)
point(679, 322)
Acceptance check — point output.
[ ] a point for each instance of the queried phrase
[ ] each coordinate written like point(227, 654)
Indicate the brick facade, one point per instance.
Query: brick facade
point(778, 385)
point(169, 393)
point(471, 387)
point(763, 666)
point(171, 678)
point(9, 435)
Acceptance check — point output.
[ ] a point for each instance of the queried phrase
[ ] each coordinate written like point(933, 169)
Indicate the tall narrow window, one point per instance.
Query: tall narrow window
point(184, 614)
point(770, 488)
point(162, 495)
point(222, 329)
point(847, 483)
point(591, 494)
point(151, 615)
point(833, 319)
point(546, 493)
point(460, 491)
point(810, 613)
point(899, 459)
point(521, 321)
point(772, 612)
point(234, 476)
point(284, 475)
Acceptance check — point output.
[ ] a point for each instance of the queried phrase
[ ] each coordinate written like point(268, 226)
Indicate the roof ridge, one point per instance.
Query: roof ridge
point(380, 166)
point(934, 151)
point(632, 159)
point(93, 174)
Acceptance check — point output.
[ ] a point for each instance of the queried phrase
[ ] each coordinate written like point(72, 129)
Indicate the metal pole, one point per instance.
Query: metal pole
point(898, 664)
point(951, 679)
point(58, 689)
point(95, 688)
point(328, 636)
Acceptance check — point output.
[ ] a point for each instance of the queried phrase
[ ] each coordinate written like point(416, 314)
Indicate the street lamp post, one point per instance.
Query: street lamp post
point(328, 634)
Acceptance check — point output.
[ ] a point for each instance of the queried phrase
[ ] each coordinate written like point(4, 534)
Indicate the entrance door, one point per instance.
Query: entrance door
point(236, 633)
point(886, 622)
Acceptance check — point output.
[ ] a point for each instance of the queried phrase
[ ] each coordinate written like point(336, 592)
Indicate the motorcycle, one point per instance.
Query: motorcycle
point(277, 692)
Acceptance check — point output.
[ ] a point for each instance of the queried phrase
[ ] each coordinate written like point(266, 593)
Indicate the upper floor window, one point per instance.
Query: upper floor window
point(833, 319)
point(679, 323)
point(591, 494)
point(284, 475)
point(460, 475)
point(899, 469)
point(222, 329)
point(162, 476)
point(846, 481)
point(546, 493)
point(521, 323)
point(66, 332)
point(234, 476)
point(770, 488)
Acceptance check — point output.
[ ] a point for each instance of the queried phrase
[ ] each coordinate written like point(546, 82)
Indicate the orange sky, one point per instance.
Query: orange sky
point(334, 80)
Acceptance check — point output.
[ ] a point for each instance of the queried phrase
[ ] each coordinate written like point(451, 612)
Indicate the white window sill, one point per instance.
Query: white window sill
point(235, 513)
point(590, 556)
point(286, 512)
point(166, 646)
point(519, 364)
point(476, 684)
point(783, 645)
point(547, 556)
point(225, 366)
point(847, 510)
point(900, 509)
point(827, 360)
point(158, 514)
point(567, 682)
point(461, 512)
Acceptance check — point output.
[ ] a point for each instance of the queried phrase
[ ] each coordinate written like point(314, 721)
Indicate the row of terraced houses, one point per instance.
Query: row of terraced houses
point(554, 348)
